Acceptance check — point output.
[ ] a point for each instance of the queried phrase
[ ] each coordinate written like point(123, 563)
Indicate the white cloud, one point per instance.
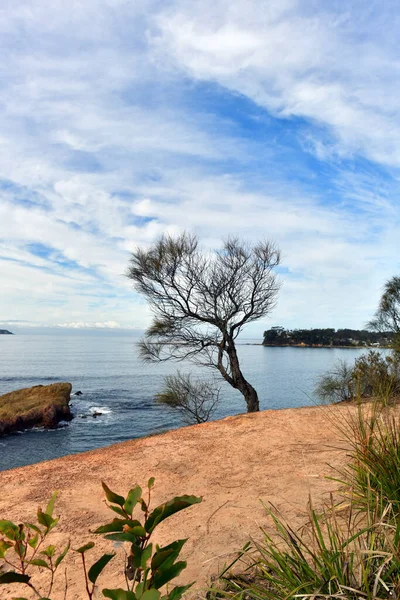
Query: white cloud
point(302, 60)
point(108, 139)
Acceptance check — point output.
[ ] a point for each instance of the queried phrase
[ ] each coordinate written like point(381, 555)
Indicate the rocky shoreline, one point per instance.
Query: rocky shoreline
point(38, 406)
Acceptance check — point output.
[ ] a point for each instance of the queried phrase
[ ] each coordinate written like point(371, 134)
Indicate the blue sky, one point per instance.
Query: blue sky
point(121, 120)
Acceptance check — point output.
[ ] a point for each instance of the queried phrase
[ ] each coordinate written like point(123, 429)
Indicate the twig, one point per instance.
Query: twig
point(212, 514)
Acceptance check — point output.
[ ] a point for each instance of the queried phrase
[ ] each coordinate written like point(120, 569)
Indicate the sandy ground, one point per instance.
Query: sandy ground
point(279, 456)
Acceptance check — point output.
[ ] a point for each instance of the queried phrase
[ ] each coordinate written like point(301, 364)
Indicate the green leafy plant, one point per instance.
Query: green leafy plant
point(148, 566)
point(26, 541)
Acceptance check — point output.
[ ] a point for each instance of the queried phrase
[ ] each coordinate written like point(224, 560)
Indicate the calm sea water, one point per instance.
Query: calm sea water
point(113, 381)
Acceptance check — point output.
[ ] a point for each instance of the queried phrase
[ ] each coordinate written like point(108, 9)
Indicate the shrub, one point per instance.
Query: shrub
point(372, 375)
point(333, 557)
point(196, 400)
point(337, 385)
point(148, 567)
point(373, 474)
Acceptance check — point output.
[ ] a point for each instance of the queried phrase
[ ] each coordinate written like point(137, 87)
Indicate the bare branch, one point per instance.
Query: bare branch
point(201, 301)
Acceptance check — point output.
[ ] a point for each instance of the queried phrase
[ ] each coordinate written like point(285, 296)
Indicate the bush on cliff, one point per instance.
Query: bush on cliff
point(372, 375)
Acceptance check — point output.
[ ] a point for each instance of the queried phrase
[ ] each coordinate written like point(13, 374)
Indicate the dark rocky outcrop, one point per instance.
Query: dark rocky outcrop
point(5, 332)
point(38, 406)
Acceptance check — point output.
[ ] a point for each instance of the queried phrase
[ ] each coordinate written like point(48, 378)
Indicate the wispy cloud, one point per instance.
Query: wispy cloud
point(121, 121)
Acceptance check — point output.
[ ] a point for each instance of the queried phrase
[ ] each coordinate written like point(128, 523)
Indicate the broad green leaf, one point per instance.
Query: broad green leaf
point(46, 520)
point(132, 499)
point(12, 577)
point(33, 542)
point(50, 506)
point(62, 555)
point(4, 546)
point(112, 497)
point(165, 557)
point(146, 555)
point(34, 527)
point(115, 526)
point(139, 589)
point(119, 594)
point(49, 551)
point(150, 483)
point(164, 576)
point(84, 548)
point(9, 529)
point(138, 530)
point(169, 508)
point(135, 558)
point(151, 595)
point(38, 562)
point(118, 510)
point(98, 566)
point(178, 591)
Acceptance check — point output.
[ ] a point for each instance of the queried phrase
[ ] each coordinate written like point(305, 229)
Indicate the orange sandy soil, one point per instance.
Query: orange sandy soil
point(279, 456)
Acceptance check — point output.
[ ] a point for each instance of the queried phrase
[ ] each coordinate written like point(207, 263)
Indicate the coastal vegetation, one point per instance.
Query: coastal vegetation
point(349, 549)
point(201, 301)
point(278, 336)
point(195, 399)
point(373, 375)
point(387, 315)
point(42, 406)
point(148, 567)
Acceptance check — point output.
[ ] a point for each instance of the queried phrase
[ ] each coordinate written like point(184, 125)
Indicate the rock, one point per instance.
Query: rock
point(5, 332)
point(96, 414)
point(78, 393)
point(38, 406)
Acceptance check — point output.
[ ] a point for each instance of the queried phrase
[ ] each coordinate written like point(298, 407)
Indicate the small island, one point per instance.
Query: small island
point(327, 338)
point(38, 406)
point(5, 332)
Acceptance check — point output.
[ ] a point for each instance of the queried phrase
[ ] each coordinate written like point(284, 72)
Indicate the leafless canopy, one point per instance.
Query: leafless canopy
point(201, 301)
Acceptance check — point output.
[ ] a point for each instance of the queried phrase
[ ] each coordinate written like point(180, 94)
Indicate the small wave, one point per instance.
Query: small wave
point(104, 410)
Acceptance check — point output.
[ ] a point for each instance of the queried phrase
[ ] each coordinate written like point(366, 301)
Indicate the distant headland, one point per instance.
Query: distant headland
point(317, 338)
point(5, 332)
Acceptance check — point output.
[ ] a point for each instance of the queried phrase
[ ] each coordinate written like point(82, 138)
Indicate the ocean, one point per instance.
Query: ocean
point(106, 368)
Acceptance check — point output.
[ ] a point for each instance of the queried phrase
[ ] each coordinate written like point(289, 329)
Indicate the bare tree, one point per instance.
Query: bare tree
point(196, 399)
point(201, 301)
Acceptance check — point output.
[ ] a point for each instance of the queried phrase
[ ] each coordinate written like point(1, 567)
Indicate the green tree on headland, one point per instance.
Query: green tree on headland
point(201, 301)
point(278, 336)
point(387, 315)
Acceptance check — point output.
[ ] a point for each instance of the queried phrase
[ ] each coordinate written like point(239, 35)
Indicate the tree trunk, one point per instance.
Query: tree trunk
point(251, 397)
point(239, 381)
